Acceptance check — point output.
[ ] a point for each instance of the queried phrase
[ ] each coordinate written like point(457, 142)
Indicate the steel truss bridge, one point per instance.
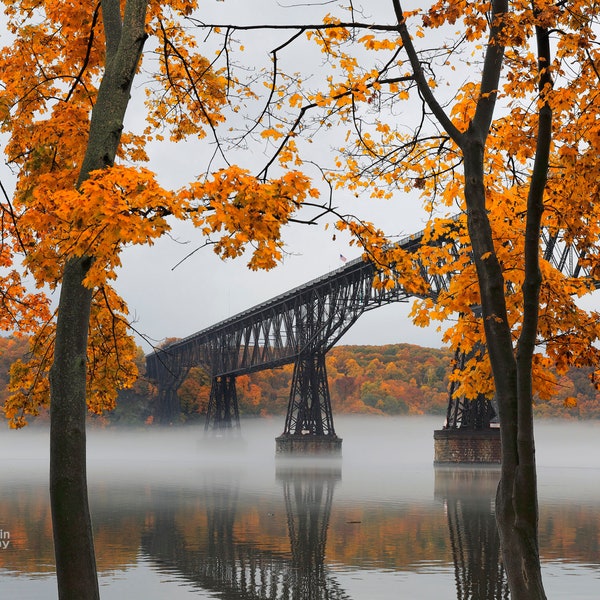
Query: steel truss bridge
point(299, 327)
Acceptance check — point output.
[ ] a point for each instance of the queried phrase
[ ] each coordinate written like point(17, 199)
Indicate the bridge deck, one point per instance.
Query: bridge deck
point(309, 318)
point(275, 332)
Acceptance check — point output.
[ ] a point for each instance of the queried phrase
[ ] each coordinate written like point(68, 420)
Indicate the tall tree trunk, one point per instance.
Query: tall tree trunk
point(517, 502)
point(516, 506)
point(71, 523)
point(72, 530)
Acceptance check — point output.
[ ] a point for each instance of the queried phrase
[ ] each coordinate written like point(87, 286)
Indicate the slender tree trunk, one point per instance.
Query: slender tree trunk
point(72, 528)
point(71, 523)
point(517, 502)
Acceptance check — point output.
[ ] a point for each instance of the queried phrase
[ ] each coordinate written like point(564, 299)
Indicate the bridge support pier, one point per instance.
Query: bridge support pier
point(467, 446)
point(168, 408)
point(468, 436)
point(309, 421)
point(222, 415)
point(308, 445)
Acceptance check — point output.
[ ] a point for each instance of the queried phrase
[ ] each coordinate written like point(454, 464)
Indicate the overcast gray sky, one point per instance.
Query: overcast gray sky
point(175, 302)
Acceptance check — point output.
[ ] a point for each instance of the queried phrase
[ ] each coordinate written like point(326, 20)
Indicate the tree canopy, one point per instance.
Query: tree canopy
point(389, 137)
point(51, 75)
point(362, 96)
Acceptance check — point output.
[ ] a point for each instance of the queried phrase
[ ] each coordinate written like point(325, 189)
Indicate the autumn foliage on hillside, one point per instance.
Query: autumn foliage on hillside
point(396, 379)
point(392, 380)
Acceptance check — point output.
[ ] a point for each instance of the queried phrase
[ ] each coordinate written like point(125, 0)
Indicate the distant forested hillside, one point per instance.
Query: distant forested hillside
point(394, 380)
point(398, 379)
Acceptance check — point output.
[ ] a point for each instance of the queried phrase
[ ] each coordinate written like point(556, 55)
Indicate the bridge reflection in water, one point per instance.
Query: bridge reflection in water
point(173, 521)
point(468, 494)
point(308, 494)
point(238, 569)
point(218, 561)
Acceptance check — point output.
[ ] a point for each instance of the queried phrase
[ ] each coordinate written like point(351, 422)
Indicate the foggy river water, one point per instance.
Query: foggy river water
point(176, 519)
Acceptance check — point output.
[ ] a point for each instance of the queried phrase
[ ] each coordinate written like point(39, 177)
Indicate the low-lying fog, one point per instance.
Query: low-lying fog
point(395, 450)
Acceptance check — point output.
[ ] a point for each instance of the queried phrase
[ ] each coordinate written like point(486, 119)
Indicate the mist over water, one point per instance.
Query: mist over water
point(169, 508)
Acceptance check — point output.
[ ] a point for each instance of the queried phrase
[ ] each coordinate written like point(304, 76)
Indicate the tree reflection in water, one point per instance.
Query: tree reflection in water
point(468, 494)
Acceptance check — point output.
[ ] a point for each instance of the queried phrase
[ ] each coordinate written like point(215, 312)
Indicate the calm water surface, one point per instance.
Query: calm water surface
point(177, 519)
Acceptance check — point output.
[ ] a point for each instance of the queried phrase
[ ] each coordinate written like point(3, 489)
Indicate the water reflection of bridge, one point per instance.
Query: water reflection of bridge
point(468, 494)
point(242, 571)
point(217, 560)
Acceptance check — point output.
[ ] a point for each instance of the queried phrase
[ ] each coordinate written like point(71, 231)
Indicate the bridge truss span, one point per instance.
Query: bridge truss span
point(299, 327)
point(295, 327)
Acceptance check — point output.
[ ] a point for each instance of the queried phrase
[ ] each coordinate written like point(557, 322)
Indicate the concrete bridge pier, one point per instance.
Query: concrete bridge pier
point(470, 435)
point(308, 445)
point(467, 446)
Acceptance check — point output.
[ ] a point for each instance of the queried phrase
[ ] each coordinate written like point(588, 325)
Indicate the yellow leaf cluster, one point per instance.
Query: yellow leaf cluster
point(114, 206)
point(188, 94)
point(111, 363)
point(372, 43)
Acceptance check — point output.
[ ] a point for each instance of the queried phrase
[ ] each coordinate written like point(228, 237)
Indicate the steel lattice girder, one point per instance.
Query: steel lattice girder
point(309, 408)
point(310, 318)
point(222, 412)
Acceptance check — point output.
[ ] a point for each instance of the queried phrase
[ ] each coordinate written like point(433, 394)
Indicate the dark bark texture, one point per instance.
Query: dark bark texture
point(71, 523)
point(517, 503)
point(72, 529)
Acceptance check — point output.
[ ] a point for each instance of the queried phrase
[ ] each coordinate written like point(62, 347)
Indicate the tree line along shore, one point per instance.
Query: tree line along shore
point(394, 379)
